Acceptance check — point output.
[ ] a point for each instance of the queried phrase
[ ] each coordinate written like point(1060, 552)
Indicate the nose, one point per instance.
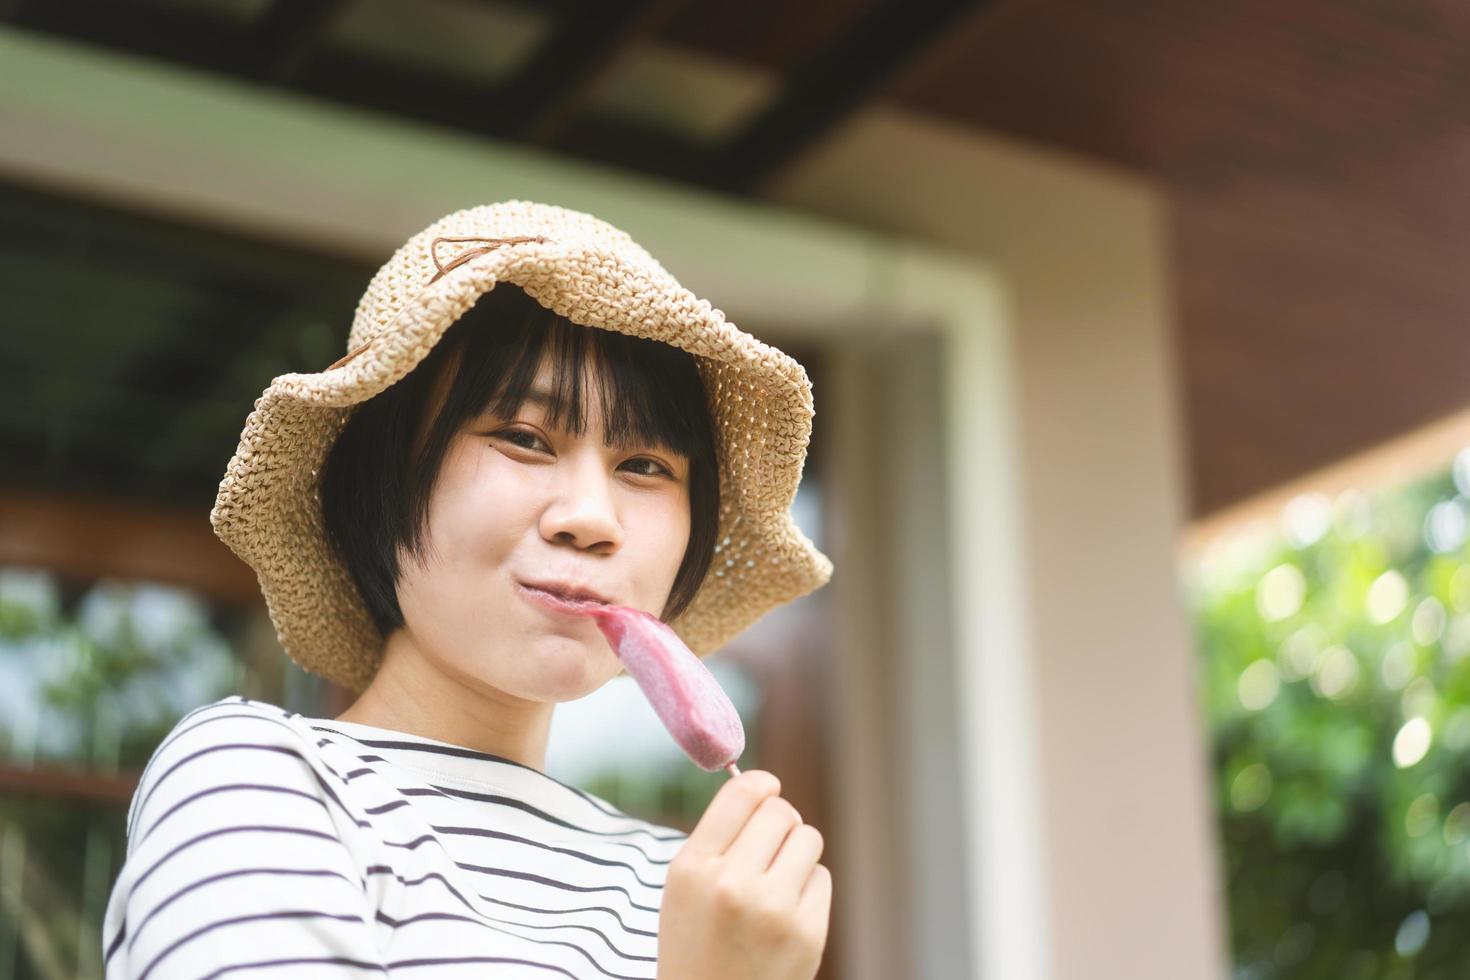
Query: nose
point(582, 511)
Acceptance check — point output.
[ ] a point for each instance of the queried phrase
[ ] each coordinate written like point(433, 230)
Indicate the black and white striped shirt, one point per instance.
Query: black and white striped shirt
point(261, 841)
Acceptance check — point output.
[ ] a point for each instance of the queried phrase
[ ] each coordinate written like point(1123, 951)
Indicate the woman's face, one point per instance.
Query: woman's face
point(518, 502)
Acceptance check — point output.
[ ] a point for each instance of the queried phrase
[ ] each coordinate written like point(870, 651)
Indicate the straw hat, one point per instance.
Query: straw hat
point(268, 509)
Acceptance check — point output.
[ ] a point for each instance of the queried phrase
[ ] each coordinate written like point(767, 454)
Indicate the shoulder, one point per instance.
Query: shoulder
point(233, 745)
point(233, 730)
point(227, 717)
point(239, 845)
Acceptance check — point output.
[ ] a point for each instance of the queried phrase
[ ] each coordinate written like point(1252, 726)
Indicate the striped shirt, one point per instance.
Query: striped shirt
point(261, 841)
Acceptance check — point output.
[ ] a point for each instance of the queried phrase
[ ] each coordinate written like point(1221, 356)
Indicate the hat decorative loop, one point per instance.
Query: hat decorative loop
point(470, 253)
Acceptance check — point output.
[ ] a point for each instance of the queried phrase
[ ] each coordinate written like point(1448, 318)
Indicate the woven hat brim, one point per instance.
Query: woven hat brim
point(268, 505)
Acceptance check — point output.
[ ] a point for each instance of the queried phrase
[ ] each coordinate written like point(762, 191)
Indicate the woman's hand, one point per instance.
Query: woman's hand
point(745, 897)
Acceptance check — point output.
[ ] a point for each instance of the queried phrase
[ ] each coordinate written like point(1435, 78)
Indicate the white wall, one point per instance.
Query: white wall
point(1133, 886)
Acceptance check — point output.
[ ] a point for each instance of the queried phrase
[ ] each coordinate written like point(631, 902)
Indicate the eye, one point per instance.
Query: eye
point(654, 467)
point(522, 439)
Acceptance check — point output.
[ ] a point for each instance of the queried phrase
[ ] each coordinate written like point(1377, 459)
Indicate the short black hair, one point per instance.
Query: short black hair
point(378, 475)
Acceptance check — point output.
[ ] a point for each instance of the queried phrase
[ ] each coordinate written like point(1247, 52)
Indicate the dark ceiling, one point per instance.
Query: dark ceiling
point(1311, 152)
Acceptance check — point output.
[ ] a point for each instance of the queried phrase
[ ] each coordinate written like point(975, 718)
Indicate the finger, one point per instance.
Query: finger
point(761, 838)
point(730, 810)
point(793, 865)
point(815, 905)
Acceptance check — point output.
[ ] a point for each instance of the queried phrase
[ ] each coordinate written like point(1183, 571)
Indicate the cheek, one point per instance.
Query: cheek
point(477, 511)
point(479, 499)
point(662, 536)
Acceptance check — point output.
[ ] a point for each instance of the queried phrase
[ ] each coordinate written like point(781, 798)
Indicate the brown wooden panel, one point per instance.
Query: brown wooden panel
point(1223, 87)
point(88, 537)
point(1315, 325)
point(1315, 154)
point(60, 782)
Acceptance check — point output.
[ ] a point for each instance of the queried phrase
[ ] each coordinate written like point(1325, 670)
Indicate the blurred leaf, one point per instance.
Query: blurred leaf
point(1329, 845)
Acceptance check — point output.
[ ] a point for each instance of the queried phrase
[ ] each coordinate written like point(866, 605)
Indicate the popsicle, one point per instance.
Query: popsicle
point(684, 694)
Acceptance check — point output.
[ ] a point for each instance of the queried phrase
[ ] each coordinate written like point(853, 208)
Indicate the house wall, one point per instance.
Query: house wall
point(1132, 880)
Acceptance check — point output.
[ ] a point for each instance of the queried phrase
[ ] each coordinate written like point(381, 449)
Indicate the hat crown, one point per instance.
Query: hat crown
point(508, 224)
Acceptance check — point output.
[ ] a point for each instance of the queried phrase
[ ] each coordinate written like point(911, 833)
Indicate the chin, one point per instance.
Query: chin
point(567, 668)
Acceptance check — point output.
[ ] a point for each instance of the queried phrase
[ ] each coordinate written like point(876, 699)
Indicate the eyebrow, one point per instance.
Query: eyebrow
point(541, 395)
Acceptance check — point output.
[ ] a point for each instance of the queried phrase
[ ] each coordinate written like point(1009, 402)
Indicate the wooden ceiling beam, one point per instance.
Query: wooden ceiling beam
point(832, 84)
point(209, 45)
point(197, 42)
point(289, 33)
point(543, 103)
point(563, 74)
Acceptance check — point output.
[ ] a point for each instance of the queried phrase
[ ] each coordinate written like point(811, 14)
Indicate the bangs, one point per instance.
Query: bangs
point(643, 387)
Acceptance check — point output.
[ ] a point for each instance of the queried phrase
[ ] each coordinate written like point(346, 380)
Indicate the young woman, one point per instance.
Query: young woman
point(530, 405)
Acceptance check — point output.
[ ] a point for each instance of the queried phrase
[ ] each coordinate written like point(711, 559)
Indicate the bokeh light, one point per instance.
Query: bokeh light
point(1259, 685)
point(1387, 597)
point(1411, 744)
point(1413, 934)
point(1280, 593)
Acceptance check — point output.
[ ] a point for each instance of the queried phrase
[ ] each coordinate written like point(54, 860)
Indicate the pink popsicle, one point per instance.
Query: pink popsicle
point(684, 694)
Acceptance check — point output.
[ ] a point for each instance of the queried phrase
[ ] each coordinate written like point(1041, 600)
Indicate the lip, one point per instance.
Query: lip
point(559, 598)
point(568, 591)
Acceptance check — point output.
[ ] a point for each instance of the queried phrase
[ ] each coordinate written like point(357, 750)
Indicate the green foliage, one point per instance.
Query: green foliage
point(673, 799)
point(1335, 678)
point(92, 684)
point(99, 685)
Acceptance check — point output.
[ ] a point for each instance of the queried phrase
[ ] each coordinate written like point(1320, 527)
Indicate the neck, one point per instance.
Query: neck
point(410, 694)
